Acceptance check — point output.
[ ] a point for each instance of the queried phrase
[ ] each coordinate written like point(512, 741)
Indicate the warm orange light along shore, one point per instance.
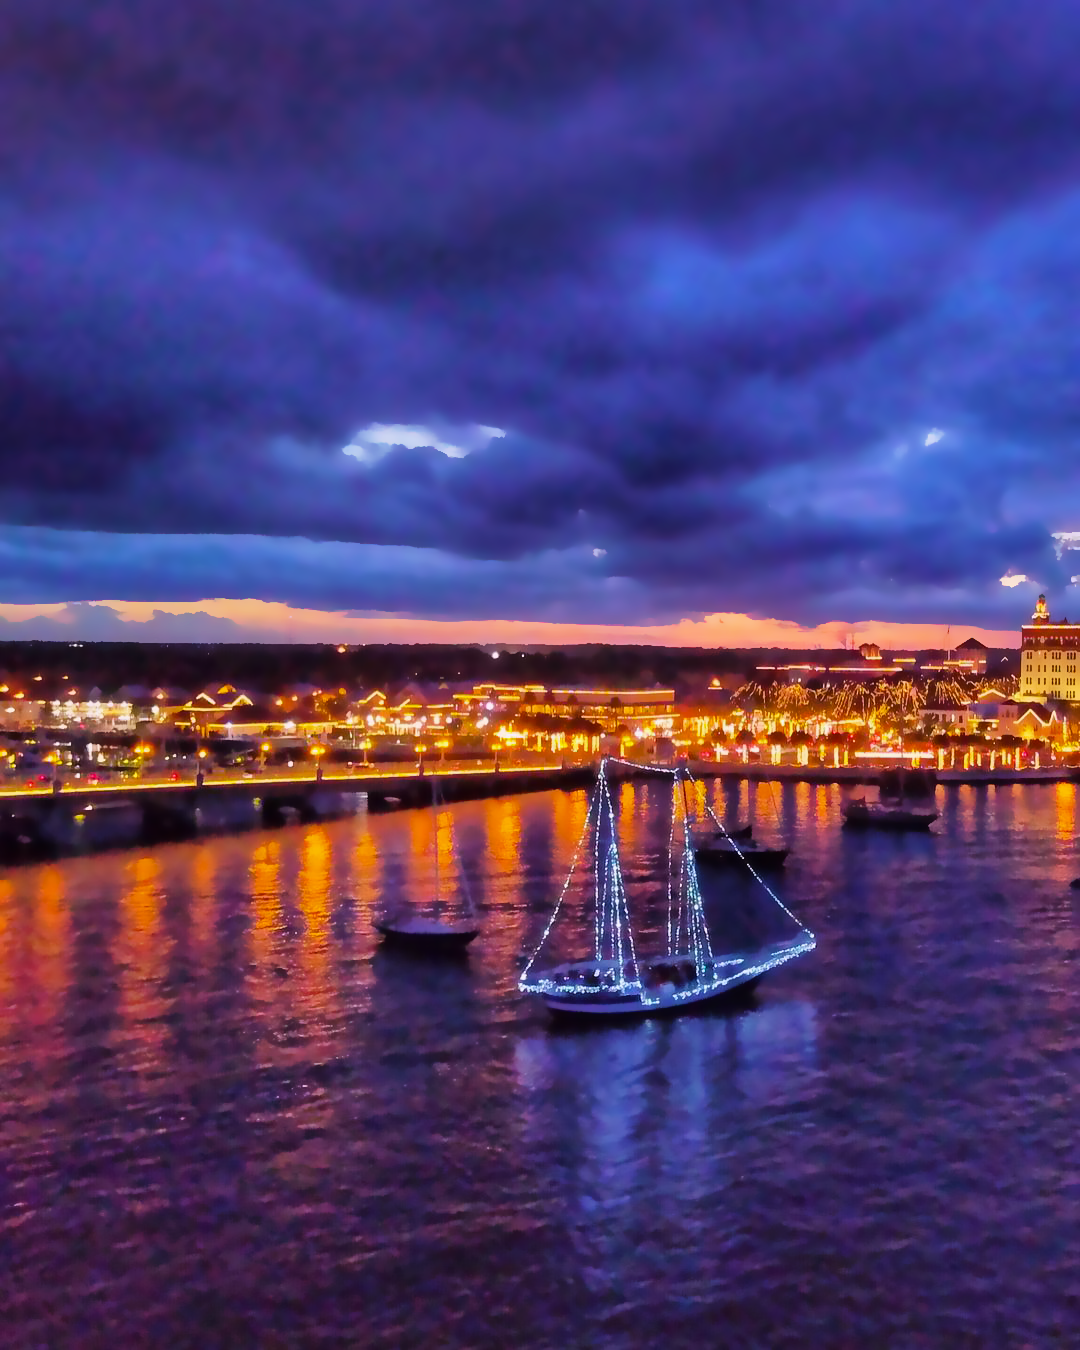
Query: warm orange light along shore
point(265, 621)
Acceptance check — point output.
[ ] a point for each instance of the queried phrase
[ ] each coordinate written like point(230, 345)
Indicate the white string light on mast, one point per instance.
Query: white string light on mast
point(562, 896)
point(614, 930)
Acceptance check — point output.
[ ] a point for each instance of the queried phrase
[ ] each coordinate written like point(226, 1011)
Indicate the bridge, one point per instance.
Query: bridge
point(69, 814)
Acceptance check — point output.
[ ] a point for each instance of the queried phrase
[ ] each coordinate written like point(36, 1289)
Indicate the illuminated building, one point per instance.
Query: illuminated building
point(93, 710)
point(857, 668)
point(208, 710)
point(950, 716)
point(1049, 658)
point(646, 709)
point(970, 658)
point(19, 713)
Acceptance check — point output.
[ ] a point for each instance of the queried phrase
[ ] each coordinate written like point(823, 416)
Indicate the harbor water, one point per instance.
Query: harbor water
point(230, 1119)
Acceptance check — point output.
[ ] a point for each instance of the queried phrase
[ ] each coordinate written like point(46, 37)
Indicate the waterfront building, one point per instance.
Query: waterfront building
point(93, 711)
point(1037, 721)
point(19, 713)
point(646, 710)
point(970, 658)
point(478, 699)
point(855, 668)
point(1049, 658)
point(948, 716)
point(212, 709)
point(994, 715)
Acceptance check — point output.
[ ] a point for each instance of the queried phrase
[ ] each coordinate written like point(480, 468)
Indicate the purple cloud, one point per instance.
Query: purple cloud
point(716, 275)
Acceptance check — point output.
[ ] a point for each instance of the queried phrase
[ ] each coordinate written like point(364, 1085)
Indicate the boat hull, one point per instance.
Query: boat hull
point(450, 938)
point(765, 859)
point(664, 989)
point(906, 821)
point(568, 1010)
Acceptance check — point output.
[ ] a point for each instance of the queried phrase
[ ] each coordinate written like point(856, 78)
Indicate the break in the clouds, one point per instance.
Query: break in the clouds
point(621, 312)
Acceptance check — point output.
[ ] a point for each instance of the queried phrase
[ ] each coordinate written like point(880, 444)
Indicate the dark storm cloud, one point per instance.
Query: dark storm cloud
point(717, 270)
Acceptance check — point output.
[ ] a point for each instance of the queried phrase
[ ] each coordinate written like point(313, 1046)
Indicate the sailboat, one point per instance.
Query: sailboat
point(614, 979)
point(433, 930)
point(728, 849)
point(905, 802)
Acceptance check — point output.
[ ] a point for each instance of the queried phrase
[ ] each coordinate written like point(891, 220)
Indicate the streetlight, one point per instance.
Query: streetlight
point(317, 752)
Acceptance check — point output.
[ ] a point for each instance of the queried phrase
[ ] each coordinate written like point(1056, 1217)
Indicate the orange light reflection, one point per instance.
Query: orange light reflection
point(140, 961)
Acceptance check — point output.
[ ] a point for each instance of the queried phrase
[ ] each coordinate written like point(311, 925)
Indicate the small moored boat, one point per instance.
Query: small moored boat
point(428, 932)
point(727, 849)
point(887, 816)
point(905, 802)
point(433, 929)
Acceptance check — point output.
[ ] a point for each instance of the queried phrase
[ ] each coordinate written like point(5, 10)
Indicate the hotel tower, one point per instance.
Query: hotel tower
point(1049, 658)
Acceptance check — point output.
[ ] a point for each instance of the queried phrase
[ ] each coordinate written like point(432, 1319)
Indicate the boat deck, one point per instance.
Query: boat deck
point(663, 983)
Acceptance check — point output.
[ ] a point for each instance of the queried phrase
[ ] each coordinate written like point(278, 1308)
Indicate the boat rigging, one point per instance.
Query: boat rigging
point(614, 979)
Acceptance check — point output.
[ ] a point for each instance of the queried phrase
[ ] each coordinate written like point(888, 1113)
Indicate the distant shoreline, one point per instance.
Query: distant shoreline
point(855, 775)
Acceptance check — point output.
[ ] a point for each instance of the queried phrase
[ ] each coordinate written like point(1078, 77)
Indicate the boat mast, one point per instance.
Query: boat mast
point(614, 932)
point(598, 884)
point(435, 811)
point(672, 929)
point(696, 925)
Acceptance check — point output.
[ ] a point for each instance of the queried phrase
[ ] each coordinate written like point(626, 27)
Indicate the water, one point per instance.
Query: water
point(227, 1119)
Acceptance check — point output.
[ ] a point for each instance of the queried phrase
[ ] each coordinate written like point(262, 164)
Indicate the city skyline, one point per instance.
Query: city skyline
point(627, 322)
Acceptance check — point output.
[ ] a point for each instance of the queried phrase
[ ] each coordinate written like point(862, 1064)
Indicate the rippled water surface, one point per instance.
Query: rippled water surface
point(229, 1119)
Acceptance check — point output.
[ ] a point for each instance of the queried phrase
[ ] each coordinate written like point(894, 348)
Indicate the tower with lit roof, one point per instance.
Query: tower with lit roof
point(1049, 658)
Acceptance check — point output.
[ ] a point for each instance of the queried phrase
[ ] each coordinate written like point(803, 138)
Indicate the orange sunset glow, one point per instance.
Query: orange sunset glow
point(265, 621)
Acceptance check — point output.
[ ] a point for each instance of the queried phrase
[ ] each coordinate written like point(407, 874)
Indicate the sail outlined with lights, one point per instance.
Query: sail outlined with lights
point(614, 979)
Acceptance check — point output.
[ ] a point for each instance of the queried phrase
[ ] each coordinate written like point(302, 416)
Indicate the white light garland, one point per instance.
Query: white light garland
point(670, 855)
point(562, 896)
point(612, 917)
point(757, 876)
point(620, 908)
point(547, 984)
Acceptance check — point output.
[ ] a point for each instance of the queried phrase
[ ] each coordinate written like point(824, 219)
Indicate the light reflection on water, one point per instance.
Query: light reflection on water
point(229, 1118)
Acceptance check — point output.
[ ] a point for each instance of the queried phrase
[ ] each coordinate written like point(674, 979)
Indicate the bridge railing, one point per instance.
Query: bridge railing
point(305, 770)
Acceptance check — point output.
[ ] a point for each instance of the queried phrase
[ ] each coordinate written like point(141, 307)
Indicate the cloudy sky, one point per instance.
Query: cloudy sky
point(424, 319)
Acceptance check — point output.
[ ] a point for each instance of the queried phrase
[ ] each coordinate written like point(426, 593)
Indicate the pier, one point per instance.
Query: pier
point(869, 772)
